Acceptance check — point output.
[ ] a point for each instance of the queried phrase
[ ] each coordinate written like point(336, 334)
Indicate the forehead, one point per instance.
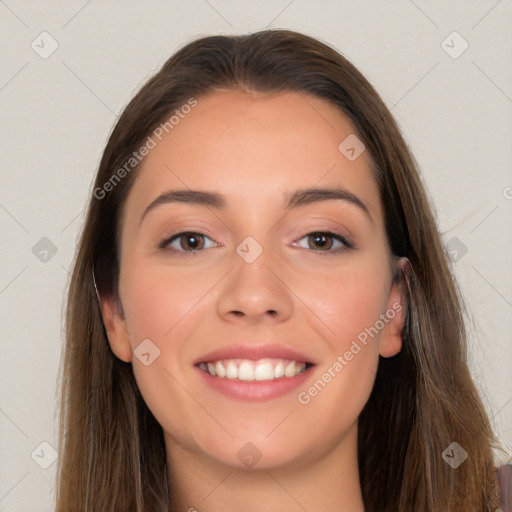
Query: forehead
point(254, 147)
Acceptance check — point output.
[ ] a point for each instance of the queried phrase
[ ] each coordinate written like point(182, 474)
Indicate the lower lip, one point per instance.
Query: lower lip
point(255, 390)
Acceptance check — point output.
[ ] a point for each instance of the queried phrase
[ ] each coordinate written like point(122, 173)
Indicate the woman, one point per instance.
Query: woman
point(274, 325)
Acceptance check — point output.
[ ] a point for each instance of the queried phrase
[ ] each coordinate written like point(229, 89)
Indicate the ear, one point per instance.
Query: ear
point(115, 325)
point(391, 339)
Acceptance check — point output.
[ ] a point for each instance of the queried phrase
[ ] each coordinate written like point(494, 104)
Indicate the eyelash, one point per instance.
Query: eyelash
point(347, 244)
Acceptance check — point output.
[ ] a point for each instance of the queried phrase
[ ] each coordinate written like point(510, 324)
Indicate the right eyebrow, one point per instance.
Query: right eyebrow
point(187, 196)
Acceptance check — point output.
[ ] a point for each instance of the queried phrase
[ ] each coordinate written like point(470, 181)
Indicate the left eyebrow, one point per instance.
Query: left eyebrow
point(307, 196)
point(300, 197)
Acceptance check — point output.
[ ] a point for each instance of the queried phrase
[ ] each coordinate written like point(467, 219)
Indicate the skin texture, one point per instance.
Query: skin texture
point(256, 148)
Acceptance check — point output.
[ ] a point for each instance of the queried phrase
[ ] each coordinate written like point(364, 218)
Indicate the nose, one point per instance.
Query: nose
point(255, 292)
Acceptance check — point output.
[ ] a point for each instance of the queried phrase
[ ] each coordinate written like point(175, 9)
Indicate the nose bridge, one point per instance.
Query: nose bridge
point(254, 288)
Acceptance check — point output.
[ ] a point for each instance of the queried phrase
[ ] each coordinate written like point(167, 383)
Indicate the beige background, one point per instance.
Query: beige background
point(58, 111)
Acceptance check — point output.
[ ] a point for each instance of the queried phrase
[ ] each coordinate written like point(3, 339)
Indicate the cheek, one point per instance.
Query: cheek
point(159, 302)
point(348, 302)
point(165, 308)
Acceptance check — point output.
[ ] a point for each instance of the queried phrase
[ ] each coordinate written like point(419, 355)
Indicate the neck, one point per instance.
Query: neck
point(329, 483)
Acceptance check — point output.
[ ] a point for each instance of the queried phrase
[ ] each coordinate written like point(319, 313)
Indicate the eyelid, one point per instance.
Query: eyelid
point(167, 239)
point(323, 225)
point(344, 240)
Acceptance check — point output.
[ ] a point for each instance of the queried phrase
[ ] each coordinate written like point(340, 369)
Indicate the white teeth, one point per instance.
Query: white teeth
point(248, 370)
point(289, 371)
point(211, 368)
point(264, 371)
point(279, 370)
point(231, 370)
point(220, 370)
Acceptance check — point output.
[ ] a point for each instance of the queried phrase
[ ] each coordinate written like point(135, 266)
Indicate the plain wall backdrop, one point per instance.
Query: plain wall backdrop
point(444, 68)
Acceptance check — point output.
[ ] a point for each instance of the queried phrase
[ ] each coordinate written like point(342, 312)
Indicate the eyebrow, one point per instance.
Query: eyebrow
point(300, 197)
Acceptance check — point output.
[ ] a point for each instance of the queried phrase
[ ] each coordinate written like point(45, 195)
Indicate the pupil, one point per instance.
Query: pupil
point(319, 239)
point(195, 241)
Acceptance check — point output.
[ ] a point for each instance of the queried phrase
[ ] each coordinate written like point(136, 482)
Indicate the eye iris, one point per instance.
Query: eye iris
point(320, 239)
point(194, 245)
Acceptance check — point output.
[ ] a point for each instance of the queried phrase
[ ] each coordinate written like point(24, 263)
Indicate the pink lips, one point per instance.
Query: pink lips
point(256, 391)
point(254, 352)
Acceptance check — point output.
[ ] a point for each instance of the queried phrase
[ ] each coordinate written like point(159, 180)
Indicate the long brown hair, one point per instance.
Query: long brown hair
point(112, 453)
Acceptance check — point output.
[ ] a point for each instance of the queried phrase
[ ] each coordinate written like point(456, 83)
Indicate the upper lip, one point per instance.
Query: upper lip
point(254, 352)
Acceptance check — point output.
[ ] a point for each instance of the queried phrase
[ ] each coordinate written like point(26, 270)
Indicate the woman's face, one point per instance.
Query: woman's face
point(271, 272)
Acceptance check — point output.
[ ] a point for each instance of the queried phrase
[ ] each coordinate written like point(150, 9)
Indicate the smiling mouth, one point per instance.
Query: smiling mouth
point(254, 370)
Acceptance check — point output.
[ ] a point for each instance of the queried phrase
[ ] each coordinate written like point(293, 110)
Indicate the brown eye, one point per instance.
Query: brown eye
point(186, 242)
point(191, 241)
point(320, 241)
point(325, 242)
